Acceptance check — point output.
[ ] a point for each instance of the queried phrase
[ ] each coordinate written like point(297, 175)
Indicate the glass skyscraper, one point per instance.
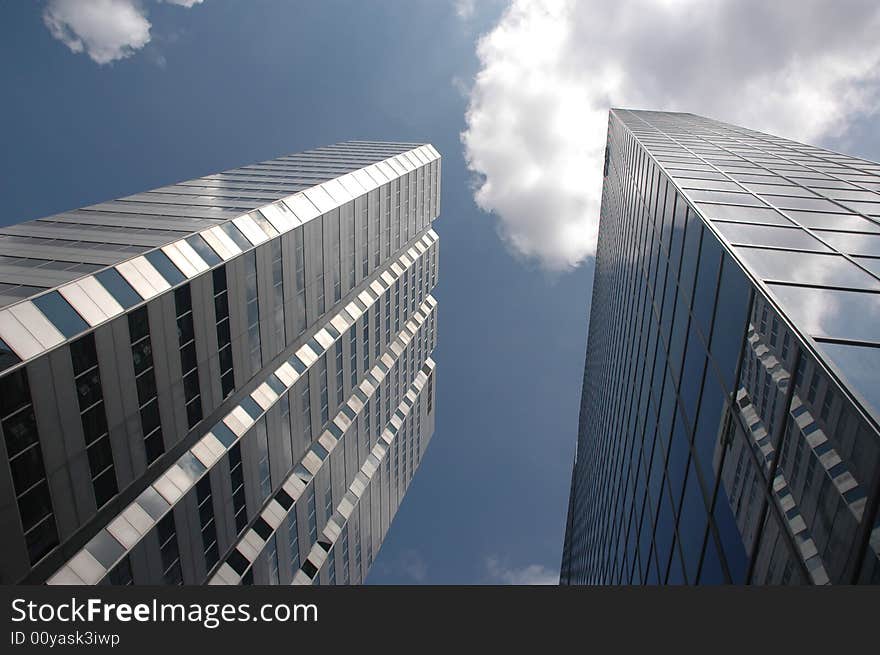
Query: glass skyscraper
point(226, 380)
point(728, 426)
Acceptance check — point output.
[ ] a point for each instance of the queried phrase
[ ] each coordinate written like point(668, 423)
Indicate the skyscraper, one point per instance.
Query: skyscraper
point(226, 380)
point(731, 395)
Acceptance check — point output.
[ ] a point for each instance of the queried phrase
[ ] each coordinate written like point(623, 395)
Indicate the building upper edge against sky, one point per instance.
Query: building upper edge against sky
point(830, 199)
point(58, 307)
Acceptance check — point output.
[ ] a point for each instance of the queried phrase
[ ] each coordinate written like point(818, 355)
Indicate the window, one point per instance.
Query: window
point(205, 251)
point(345, 555)
point(347, 220)
point(26, 464)
point(386, 302)
point(786, 343)
point(814, 382)
point(340, 383)
point(352, 358)
point(252, 303)
point(120, 575)
point(365, 234)
point(224, 336)
point(145, 382)
point(93, 417)
point(404, 208)
point(386, 200)
point(335, 254)
point(827, 402)
point(272, 560)
point(395, 219)
point(204, 497)
point(367, 428)
point(377, 334)
point(313, 518)
point(331, 566)
point(188, 360)
point(165, 267)
point(306, 410)
point(300, 279)
point(373, 197)
point(318, 265)
point(168, 549)
point(365, 333)
point(61, 314)
point(278, 294)
point(236, 476)
point(284, 412)
point(293, 540)
point(328, 502)
point(397, 308)
point(118, 287)
point(263, 464)
point(325, 399)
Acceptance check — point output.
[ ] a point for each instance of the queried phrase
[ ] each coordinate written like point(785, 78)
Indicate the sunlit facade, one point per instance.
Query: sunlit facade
point(729, 418)
point(227, 380)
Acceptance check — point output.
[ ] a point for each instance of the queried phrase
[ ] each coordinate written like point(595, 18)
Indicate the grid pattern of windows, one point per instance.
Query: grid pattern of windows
point(224, 334)
point(145, 382)
point(208, 528)
point(293, 542)
point(236, 477)
point(278, 294)
point(188, 362)
point(325, 396)
point(305, 400)
point(26, 464)
point(263, 465)
point(312, 510)
point(252, 305)
point(272, 561)
point(699, 461)
point(93, 417)
point(120, 575)
point(169, 550)
point(299, 277)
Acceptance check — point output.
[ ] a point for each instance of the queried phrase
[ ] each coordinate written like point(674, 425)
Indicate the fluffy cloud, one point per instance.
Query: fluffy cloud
point(549, 71)
point(184, 3)
point(106, 30)
point(533, 574)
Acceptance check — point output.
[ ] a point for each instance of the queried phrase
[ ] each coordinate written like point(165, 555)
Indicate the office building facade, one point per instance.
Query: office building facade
point(728, 427)
point(226, 380)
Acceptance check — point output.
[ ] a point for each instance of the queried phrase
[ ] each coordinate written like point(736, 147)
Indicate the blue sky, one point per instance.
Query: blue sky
point(169, 93)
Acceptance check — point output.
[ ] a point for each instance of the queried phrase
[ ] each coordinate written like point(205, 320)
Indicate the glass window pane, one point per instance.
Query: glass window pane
point(205, 251)
point(235, 234)
point(859, 364)
point(61, 314)
point(744, 214)
point(830, 312)
point(807, 268)
point(853, 243)
point(118, 287)
point(825, 220)
point(165, 266)
point(767, 235)
point(726, 197)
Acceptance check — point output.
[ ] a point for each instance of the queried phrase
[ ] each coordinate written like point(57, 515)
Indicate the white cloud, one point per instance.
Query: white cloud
point(549, 71)
point(106, 30)
point(533, 574)
point(184, 3)
point(464, 9)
